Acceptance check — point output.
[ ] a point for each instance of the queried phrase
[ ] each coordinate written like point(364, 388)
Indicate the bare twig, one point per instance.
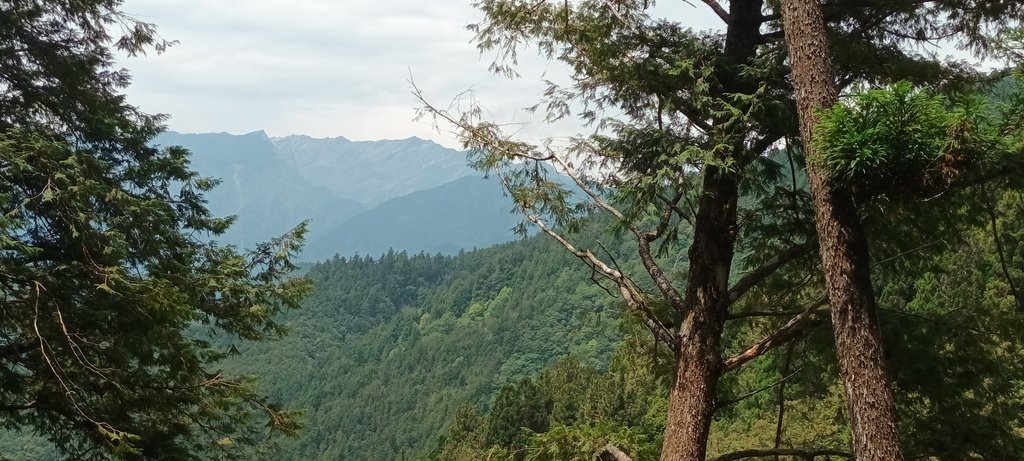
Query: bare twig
point(781, 397)
point(717, 8)
point(725, 403)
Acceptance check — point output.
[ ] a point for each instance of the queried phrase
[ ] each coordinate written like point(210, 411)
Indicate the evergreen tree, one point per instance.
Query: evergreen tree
point(844, 247)
point(110, 283)
point(690, 121)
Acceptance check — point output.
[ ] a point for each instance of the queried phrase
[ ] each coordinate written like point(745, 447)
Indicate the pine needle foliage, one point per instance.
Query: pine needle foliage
point(109, 280)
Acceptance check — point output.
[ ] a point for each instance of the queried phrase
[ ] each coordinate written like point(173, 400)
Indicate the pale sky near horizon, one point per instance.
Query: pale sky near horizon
point(331, 68)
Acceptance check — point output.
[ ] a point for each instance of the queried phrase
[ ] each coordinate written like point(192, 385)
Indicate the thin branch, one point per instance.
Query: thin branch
point(593, 278)
point(796, 452)
point(725, 403)
point(660, 279)
point(717, 8)
point(907, 252)
point(630, 293)
point(582, 184)
point(772, 36)
point(761, 145)
point(663, 283)
point(749, 314)
point(666, 217)
point(784, 298)
point(788, 332)
point(674, 207)
point(19, 407)
point(781, 396)
point(694, 118)
point(768, 268)
point(991, 209)
point(614, 12)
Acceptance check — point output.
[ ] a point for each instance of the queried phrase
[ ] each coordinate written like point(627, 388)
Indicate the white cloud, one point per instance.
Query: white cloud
point(325, 68)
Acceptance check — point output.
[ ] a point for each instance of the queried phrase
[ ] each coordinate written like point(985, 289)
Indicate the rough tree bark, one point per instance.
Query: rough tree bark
point(844, 249)
point(705, 308)
point(698, 358)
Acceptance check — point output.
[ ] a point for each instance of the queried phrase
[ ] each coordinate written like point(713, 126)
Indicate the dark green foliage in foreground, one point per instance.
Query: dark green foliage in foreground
point(951, 311)
point(103, 265)
point(577, 409)
point(952, 326)
point(905, 143)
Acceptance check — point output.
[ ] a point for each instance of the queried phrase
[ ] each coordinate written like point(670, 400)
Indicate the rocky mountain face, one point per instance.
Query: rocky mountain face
point(360, 196)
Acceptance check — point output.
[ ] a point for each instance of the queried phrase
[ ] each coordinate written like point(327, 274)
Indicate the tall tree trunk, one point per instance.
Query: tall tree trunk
point(691, 403)
point(698, 358)
point(844, 250)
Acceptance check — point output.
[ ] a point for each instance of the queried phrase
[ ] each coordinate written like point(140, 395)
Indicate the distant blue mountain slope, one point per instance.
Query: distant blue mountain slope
point(268, 195)
point(469, 212)
point(361, 196)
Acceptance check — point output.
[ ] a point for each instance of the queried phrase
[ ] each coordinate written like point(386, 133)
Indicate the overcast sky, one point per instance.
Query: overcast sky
point(328, 67)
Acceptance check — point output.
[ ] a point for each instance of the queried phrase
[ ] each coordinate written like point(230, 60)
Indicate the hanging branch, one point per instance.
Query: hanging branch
point(733, 401)
point(788, 332)
point(781, 396)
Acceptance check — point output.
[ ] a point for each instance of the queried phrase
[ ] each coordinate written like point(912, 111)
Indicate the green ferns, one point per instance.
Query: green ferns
point(904, 142)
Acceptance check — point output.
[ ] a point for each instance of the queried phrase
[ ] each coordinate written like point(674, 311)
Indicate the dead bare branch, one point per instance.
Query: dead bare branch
point(788, 332)
point(795, 452)
point(615, 452)
point(717, 8)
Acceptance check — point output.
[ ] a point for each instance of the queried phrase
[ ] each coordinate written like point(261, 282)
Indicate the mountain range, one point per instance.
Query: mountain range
point(361, 197)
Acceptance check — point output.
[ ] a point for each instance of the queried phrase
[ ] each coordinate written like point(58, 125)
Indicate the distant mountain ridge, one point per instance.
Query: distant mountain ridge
point(372, 172)
point(361, 196)
point(469, 212)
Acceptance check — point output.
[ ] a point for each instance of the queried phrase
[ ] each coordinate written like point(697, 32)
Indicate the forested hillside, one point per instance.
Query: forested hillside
point(386, 348)
point(952, 327)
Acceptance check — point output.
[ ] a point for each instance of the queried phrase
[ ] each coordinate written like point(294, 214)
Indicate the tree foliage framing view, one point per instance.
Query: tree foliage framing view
point(109, 282)
point(695, 134)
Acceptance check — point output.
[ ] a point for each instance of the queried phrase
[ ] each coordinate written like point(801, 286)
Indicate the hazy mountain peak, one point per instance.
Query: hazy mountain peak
point(372, 171)
point(428, 198)
point(306, 138)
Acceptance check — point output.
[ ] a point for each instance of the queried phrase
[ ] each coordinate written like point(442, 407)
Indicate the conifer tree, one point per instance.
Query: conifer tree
point(688, 121)
point(115, 304)
point(844, 248)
